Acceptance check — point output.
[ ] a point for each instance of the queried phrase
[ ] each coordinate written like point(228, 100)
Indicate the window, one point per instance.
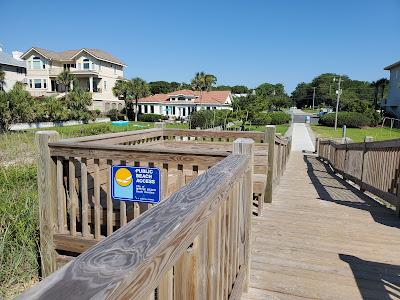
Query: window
point(119, 106)
point(181, 98)
point(37, 63)
point(107, 106)
point(184, 111)
point(115, 69)
point(38, 83)
point(44, 83)
point(145, 109)
point(173, 110)
point(30, 83)
point(105, 85)
point(86, 64)
point(114, 105)
point(152, 109)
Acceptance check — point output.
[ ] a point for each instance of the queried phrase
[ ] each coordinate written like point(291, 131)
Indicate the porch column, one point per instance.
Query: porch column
point(91, 84)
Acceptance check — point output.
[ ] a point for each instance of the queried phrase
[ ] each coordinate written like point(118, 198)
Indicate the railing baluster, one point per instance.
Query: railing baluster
point(110, 207)
point(97, 208)
point(72, 196)
point(84, 195)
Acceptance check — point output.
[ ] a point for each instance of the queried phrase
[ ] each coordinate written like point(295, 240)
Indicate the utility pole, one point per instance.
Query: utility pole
point(313, 98)
point(339, 92)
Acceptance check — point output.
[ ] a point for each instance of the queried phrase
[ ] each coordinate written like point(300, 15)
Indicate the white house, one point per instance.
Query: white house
point(96, 71)
point(14, 69)
point(392, 103)
point(182, 103)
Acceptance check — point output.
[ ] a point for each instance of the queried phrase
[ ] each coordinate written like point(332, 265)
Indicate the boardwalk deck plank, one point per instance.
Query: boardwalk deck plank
point(321, 238)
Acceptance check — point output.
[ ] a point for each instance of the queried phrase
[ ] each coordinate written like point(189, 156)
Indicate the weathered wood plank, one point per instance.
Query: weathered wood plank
point(147, 254)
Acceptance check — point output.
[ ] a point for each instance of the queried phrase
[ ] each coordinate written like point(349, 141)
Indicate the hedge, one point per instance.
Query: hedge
point(350, 119)
point(261, 119)
point(279, 117)
point(208, 118)
point(151, 117)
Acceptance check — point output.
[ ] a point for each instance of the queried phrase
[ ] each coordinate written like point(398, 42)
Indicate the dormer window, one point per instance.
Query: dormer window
point(181, 98)
point(37, 63)
point(86, 64)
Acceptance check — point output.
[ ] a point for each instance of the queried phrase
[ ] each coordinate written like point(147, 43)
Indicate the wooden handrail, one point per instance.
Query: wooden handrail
point(374, 166)
point(131, 262)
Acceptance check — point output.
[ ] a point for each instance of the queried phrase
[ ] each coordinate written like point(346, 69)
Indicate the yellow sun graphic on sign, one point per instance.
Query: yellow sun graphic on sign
point(123, 177)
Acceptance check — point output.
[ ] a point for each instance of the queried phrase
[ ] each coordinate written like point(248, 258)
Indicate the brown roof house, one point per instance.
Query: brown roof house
point(180, 104)
point(96, 71)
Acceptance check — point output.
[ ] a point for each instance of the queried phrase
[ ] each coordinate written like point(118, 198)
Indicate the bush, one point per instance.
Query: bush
point(151, 117)
point(261, 119)
point(209, 118)
point(279, 117)
point(113, 114)
point(350, 119)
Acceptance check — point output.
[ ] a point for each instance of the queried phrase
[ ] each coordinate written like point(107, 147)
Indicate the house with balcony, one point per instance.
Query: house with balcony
point(96, 71)
point(180, 104)
point(392, 104)
point(14, 69)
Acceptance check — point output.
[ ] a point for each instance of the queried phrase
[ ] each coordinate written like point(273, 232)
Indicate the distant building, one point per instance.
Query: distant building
point(182, 103)
point(392, 103)
point(96, 72)
point(13, 67)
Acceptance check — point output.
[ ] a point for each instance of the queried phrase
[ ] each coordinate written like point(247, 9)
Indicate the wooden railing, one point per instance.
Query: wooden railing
point(200, 170)
point(194, 245)
point(374, 166)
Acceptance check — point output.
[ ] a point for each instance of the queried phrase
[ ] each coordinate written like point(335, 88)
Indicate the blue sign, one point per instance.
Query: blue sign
point(137, 184)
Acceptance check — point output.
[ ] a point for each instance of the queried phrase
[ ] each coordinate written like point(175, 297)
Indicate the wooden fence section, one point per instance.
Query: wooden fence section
point(77, 210)
point(194, 245)
point(374, 166)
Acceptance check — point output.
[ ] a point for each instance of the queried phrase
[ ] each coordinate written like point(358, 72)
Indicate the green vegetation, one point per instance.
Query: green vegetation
point(210, 118)
point(325, 91)
point(358, 134)
point(350, 119)
point(18, 229)
point(18, 105)
point(151, 117)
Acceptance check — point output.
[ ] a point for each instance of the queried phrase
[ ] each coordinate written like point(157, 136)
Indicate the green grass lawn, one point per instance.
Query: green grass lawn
point(358, 134)
point(279, 128)
point(310, 110)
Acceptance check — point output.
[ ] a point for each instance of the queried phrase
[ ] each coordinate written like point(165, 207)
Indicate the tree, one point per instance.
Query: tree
point(240, 89)
point(124, 89)
point(77, 101)
point(65, 78)
point(140, 89)
point(160, 87)
point(382, 83)
point(2, 79)
point(210, 80)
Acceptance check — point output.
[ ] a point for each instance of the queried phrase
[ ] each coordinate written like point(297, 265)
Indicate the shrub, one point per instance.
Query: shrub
point(279, 117)
point(209, 118)
point(151, 117)
point(350, 119)
point(113, 114)
point(261, 119)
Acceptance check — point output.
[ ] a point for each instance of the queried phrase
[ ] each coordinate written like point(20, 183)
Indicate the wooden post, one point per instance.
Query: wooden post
point(317, 145)
point(245, 146)
point(366, 140)
point(160, 125)
point(270, 131)
point(47, 192)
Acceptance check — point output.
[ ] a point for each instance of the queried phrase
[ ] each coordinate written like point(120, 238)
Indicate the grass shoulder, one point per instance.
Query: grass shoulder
point(357, 134)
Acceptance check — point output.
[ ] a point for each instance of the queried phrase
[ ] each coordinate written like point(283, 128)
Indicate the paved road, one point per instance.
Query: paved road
point(301, 139)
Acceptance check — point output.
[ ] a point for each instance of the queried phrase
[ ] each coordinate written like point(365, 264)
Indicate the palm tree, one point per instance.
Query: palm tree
point(140, 89)
point(375, 85)
point(210, 80)
point(203, 82)
point(124, 89)
point(65, 78)
point(2, 79)
point(382, 83)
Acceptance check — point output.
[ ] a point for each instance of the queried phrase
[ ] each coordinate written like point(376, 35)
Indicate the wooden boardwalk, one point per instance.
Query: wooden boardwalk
point(323, 239)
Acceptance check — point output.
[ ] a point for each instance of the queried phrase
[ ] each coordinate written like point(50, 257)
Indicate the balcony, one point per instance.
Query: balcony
point(85, 72)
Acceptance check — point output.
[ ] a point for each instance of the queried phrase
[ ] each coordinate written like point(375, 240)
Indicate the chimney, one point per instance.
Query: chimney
point(17, 55)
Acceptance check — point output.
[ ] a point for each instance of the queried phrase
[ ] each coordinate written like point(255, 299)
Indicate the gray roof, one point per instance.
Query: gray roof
point(7, 59)
point(67, 55)
point(392, 65)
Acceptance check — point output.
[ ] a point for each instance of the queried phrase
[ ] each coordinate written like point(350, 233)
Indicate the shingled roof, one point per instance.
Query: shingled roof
point(68, 55)
point(212, 97)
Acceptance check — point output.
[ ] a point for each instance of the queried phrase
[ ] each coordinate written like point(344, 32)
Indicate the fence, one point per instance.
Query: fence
point(374, 166)
point(195, 244)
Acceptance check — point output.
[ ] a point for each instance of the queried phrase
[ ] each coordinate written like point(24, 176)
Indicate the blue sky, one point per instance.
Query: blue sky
point(241, 42)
